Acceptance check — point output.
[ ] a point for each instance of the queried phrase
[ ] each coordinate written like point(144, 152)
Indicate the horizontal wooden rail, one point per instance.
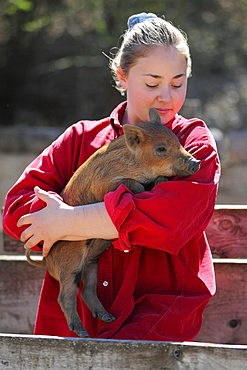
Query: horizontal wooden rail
point(38, 353)
point(226, 232)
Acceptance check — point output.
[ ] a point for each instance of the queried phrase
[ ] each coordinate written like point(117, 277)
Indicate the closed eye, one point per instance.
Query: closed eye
point(152, 86)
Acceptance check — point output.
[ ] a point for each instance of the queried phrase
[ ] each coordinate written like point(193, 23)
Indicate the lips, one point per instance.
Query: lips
point(162, 111)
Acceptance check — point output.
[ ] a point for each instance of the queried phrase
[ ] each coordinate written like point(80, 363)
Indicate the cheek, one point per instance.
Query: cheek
point(180, 97)
point(140, 98)
point(147, 97)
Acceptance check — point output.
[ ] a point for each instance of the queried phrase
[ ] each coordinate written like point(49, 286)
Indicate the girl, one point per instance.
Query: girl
point(158, 290)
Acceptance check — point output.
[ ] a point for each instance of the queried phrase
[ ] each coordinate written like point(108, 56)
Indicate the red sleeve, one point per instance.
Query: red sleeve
point(173, 212)
point(50, 171)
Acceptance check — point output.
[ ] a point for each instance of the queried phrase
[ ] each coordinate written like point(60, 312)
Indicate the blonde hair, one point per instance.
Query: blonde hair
point(137, 40)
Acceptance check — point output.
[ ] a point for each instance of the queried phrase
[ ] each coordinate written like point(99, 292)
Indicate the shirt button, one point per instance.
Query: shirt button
point(105, 283)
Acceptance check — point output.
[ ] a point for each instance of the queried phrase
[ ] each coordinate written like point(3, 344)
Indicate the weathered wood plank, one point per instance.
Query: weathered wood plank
point(14, 246)
point(227, 232)
point(20, 284)
point(225, 317)
point(38, 353)
point(224, 321)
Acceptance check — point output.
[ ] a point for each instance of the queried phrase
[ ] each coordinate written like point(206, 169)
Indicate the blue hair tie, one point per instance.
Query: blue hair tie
point(138, 18)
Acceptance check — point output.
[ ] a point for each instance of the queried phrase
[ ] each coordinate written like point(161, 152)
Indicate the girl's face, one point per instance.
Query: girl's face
point(156, 81)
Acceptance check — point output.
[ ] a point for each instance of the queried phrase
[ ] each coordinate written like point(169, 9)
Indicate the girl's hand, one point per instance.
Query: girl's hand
point(47, 225)
point(59, 221)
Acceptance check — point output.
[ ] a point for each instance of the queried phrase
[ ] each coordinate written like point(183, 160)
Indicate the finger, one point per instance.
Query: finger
point(24, 220)
point(46, 249)
point(32, 242)
point(42, 194)
point(29, 244)
point(26, 234)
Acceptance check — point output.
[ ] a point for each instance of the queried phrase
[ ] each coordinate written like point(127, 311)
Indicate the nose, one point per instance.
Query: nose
point(164, 95)
point(194, 165)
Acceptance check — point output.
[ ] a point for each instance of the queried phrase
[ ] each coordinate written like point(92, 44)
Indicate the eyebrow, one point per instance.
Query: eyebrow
point(157, 76)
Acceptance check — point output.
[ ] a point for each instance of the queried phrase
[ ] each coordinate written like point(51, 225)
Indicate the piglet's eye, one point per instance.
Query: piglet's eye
point(161, 150)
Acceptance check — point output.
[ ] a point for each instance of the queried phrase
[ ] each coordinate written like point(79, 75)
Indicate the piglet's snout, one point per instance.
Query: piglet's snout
point(186, 166)
point(193, 165)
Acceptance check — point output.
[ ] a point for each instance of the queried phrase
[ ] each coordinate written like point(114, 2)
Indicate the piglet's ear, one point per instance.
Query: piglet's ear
point(134, 136)
point(154, 115)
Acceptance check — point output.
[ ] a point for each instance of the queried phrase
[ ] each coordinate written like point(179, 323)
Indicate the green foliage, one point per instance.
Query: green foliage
point(37, 24)
point(14, 5)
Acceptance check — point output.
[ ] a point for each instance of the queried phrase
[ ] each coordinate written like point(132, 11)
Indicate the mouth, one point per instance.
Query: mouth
point(163, 111)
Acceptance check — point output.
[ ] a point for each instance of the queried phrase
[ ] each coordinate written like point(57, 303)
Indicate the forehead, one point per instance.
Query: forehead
point(160, 60)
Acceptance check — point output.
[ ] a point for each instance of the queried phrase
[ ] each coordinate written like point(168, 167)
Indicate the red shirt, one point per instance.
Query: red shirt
point(158, 290)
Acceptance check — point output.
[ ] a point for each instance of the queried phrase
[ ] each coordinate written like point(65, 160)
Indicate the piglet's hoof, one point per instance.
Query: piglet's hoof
point(107, 317)
point(84, 334)
point(80, 331)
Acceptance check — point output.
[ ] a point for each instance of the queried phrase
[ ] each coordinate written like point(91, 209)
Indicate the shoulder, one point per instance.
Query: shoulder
point(85, 127)
point(85, 134)
point(94, 133)
point(192, 131)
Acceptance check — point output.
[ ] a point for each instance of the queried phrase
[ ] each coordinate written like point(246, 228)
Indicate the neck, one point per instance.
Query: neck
point(124, 118)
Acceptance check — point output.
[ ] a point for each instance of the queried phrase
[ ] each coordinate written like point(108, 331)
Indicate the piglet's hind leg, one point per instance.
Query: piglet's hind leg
point(67, 300)
point(89, 292)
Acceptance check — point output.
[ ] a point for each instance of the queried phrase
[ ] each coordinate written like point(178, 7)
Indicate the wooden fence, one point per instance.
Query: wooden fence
point(221, 343)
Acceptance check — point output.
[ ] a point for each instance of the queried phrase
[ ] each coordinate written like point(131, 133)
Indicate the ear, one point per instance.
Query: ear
point(121, 76)
point(154, 115)
point(134, 136)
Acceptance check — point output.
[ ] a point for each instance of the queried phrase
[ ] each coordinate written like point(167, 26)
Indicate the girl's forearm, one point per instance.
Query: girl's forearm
point(91, 221)
point(59, 221)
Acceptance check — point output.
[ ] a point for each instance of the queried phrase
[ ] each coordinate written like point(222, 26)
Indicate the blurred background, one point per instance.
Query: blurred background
point(53, 73)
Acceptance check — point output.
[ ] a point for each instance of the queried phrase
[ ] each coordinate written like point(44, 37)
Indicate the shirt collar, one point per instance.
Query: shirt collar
point(117, 115)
